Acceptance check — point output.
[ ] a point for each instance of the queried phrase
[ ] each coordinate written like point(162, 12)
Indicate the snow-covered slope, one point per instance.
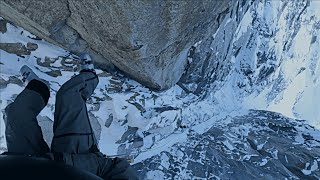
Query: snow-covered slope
point(273, 66)
point(122, 107)
point(269, 60)
point(277, 64)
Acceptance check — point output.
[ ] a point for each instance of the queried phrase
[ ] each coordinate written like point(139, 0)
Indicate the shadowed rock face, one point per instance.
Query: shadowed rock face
point(148, 40)
point(209, 59)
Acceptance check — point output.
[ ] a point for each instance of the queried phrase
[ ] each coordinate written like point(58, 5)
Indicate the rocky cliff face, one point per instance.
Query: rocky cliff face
point(148, 40)
point(221, 120)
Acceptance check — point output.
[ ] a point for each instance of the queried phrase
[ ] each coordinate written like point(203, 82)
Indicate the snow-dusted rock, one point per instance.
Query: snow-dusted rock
point(258, 145)
point(268, 54)
point(46, 125)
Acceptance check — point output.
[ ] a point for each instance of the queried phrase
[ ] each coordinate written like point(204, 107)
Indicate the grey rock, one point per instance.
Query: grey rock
point(45, 62)
point(129, 141)
point(137, 143)
point(128, 135)
point(109, 121)
point(71, 40)
point(12, 80)
point(165, 108)
point(164, 122)
point(54, 73)
point(96, 127)
point(147, 40)
point(67, 64)
point(155, 55)
point(32, 46)
point(46, 125)
point(15, 48)
point(3, 25)
point(48, 14)
point(67, 36)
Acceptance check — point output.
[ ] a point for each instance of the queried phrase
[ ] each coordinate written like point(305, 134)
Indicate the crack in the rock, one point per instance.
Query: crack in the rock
point(68, 7)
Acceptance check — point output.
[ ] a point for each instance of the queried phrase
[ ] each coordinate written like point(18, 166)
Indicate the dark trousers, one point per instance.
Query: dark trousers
point(74, 142)
point(72, 129)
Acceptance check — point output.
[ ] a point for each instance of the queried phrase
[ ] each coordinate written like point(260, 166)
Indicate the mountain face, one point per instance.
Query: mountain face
point(148, 40)
point(269, 59)
point(258, 145)
point(246, 106)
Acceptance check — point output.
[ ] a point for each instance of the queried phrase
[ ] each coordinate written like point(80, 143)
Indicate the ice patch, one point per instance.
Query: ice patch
point(264, 162)
point(309, 168)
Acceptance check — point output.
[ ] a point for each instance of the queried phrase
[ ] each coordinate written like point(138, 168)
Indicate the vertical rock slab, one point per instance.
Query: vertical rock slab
point(148, 40)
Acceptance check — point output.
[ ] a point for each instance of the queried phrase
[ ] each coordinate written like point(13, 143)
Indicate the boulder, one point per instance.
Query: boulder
point(147, 40)
point(15, 48)
point(32, 46)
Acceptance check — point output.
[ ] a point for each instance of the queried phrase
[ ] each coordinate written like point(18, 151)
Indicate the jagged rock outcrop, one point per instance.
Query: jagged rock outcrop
point(254, 49)
point(148, 40)
point(270, 56)
point(209, 60)
point(259, 145)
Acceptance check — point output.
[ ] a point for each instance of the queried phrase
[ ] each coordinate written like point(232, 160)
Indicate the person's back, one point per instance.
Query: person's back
point(74, 142)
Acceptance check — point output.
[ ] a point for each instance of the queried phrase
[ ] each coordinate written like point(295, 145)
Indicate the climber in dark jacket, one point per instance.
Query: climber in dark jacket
point(74, 142)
